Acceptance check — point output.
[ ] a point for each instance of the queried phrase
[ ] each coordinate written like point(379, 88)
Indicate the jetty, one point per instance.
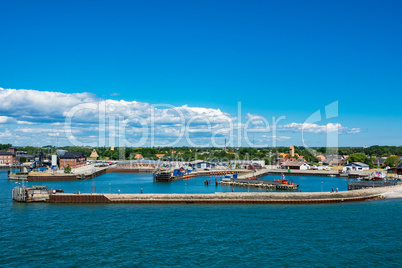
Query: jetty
point(13, 166)
point(262, 184)
point(365, 184)
point(320, 173)
point(167, 176)
point(28, 195)
point(83, 174)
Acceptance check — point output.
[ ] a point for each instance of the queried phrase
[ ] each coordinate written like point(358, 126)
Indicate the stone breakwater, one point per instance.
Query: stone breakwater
point(261, 197)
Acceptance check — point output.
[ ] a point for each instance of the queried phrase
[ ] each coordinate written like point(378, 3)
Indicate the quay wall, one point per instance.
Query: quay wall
point(95, 174)
point(51, 177)
point(78, 198)
point(127, 199)
point(65, 177)
point(12, 166)
point(254, 198)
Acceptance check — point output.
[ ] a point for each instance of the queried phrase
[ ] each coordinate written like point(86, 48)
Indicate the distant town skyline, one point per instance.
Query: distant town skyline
point(205, 59)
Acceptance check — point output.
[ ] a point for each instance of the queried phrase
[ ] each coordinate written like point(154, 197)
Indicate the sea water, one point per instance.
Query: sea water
point(361, 234)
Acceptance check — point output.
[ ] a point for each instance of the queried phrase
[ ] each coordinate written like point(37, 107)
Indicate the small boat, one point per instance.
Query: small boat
point(231, 176)
point(283, 180)
point(378, 175)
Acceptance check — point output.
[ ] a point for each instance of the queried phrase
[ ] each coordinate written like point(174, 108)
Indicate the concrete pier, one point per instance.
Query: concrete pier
point(48, 176)
point(215, 173)
point(365, 184)
point(247, 174)
point(293, 172)
point(265, 184)
point(259, 197)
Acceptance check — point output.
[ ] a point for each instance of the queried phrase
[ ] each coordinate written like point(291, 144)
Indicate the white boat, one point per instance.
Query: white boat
point(378, 175)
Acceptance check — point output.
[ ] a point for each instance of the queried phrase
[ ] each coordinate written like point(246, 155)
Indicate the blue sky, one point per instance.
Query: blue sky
point(277, 58)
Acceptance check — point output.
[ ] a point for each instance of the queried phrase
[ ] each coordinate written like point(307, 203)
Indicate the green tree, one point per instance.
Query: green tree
point(359, 157)
point(67, 169)
point(392, 161)
point(23, 159)
point(4, 147)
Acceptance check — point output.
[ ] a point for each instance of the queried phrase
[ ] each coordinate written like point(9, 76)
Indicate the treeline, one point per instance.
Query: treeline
point(371, 151)
point(270, 154)
point(176, 153)
point(4, 147)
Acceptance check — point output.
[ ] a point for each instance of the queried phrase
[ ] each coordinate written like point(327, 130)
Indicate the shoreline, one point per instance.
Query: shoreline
point(89, 172)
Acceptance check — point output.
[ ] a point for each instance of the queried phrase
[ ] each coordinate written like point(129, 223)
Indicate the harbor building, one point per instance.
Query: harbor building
point(247, 163)
point(8, 157)
point(398, 169)
point(356, 166)
point(321, 158)
point(28, 157)
point(300, 165)
point(138, 157)
point(73, 159)
point(380, 161)
point(60, 152)
point(202, 164)
point(333, 160)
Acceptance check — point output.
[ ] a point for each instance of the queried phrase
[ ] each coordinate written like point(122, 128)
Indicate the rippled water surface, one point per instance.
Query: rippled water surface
point(363, 234)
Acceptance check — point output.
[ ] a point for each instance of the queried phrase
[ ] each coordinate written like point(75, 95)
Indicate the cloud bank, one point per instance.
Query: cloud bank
point(46, 117)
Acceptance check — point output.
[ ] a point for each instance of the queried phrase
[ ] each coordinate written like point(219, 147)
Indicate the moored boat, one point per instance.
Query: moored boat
point(378, 175)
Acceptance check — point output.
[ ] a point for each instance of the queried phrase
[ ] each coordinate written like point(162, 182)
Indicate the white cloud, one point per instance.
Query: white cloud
point(33, 102)
point(276, 138)
point(5, 119)
point(314, 128)
point(42, 115)
point(25, 123)
point(11, 120)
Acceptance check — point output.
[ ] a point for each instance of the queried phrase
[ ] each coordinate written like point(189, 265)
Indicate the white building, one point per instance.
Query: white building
point(295, 165)
point(356, 166)
point(247, 162)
